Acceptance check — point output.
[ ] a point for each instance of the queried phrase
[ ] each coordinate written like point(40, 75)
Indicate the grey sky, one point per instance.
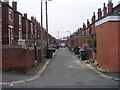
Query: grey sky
point(63, 15)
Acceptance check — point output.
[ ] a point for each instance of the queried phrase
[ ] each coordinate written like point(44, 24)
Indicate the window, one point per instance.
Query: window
point(10, 35)
point(0, 34)
point(20, 34)
point(0, 12)
point(31, 28)
point(20, 19)
point(10, 14)
point(26, 29)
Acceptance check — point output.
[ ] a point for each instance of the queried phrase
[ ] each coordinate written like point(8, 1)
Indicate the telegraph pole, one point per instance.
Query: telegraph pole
point(41, 31)
point(46, 22)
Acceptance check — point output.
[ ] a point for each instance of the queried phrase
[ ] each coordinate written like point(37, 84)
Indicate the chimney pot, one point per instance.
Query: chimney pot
point(110, 6)
point(88, 23)
point(99, 13)
point(32, 18)
point(25, 15)
point(93, 17)
point(104, 10)
point(84, 26)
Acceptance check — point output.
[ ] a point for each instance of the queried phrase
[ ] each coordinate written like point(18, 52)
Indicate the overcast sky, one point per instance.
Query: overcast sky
point(63, 15)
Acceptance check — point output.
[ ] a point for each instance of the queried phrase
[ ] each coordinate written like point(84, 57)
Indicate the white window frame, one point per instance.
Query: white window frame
point(26, 29)
point(10, 14)
point(20, 19)
point(10, 34)
point(20, 34)
point(31, 28)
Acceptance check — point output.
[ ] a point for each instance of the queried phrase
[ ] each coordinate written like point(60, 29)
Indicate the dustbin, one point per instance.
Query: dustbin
point(83, 55)
point(76, 50)
point(49, 53)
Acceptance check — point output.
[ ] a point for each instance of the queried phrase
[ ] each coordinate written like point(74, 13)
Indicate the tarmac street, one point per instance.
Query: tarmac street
point(65, 70)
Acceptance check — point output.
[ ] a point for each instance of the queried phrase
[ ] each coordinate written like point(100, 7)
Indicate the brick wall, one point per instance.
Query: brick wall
point(119, 45)
point(107, 46)
point(16, 58)
point(5, 39)
point(80, 41)
point(38, 54)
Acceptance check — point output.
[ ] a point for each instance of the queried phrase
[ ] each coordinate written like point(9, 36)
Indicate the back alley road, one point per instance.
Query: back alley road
point(65, 70)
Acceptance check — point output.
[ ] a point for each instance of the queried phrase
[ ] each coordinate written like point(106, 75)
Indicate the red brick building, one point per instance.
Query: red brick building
point(0, 22)
point(25, 27)
point(92, 26)
point(105, 32)
point(29, 29)
point(0, 33)
point(17, 23)
point(7, 24)
point(21, 38)
point(107, 42)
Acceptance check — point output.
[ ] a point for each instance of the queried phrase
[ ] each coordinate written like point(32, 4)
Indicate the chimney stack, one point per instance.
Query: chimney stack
point(99, 13)
point(93, 17)
point(25, 15)
point(32, 18)
point(35, 20)
point(88, 23)
point(104, 10)
point(14, 5)
point(6, 1)
point(84, 26)
point(110, 6)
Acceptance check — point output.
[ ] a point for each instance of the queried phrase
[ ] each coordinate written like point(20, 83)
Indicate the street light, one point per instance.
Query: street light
point(47, 20)
point(41, 30)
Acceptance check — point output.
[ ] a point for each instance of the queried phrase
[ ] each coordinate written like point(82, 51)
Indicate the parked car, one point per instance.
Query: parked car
point(62, 45)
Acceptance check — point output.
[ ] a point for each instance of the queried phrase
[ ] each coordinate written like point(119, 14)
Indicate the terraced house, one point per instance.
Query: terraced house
point(7, 24)
point(102, 35)
point(17, 24)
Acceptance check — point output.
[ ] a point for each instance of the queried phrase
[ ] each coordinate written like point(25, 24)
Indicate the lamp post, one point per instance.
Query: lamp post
point(42, 26)
point(41, 30)
point(47, 20)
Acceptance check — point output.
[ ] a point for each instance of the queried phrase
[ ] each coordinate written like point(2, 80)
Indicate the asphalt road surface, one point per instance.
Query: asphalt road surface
point(65, 70)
